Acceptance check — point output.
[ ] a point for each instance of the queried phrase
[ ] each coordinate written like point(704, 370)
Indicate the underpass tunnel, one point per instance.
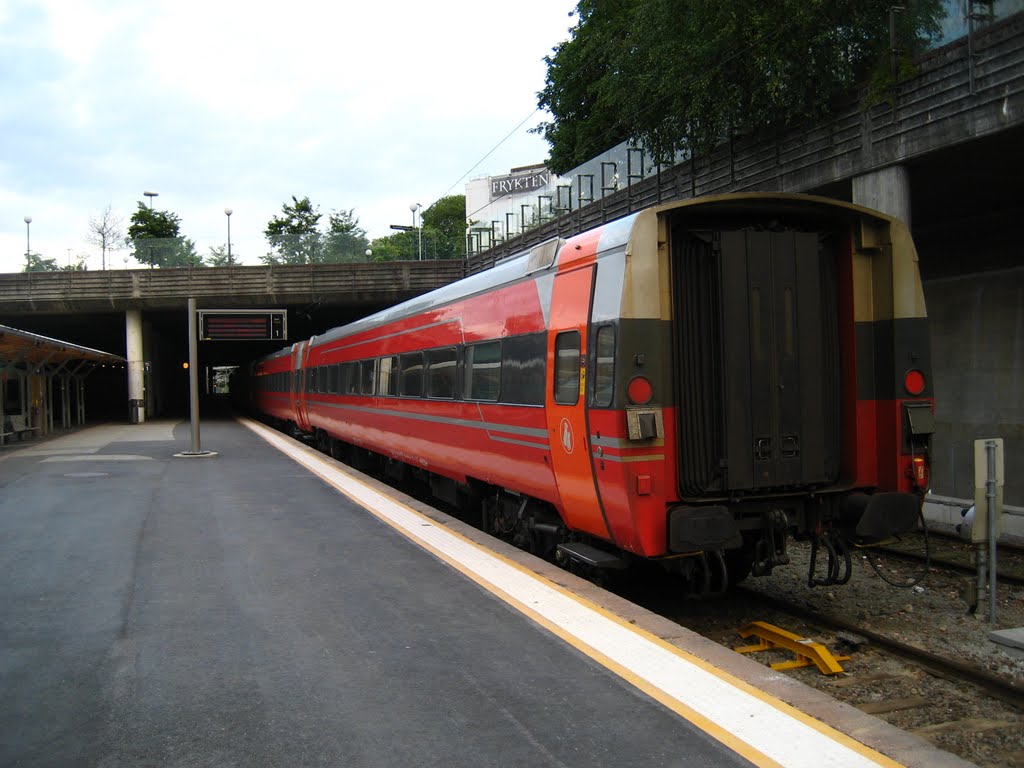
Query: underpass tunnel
point(221, 366)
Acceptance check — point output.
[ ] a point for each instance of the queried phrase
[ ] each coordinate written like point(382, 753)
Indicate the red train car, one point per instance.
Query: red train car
point(690, 385)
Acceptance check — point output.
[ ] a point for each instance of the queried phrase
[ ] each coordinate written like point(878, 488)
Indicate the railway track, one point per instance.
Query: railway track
point(1007, 690)
point(917, 659)
point(953, 554)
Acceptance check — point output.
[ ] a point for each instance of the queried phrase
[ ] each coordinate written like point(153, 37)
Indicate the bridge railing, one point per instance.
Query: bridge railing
point(369, 283)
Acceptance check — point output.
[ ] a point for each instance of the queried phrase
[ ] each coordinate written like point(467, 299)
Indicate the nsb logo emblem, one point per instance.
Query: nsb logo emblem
point(567, 439)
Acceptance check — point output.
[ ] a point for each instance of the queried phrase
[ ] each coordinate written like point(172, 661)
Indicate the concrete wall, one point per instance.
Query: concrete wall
point(977, 330)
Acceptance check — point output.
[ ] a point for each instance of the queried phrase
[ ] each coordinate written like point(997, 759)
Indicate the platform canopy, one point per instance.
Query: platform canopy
point(22, 347)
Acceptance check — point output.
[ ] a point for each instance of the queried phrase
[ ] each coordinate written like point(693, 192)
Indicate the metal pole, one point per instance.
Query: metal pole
point(413, 207)
point(979, 556)
point(228, 212)
point(193, 374)
point(990, 496)
point(28, 243)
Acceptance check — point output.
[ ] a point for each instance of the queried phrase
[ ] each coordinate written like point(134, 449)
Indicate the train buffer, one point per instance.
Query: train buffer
point(807, 651)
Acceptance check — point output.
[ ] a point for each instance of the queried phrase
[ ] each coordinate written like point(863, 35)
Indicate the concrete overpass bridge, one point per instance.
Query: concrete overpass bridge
point(141, 314)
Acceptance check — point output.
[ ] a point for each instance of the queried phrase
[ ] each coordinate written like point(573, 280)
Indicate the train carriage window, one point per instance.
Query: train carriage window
point(522, 369)
point(441, 367)
point(387, 377)
point(350, 378)
point(333, 378)
point(567, 368)
point(604, 365)
point(483, 371)
point(412, 375)
point(367, 368)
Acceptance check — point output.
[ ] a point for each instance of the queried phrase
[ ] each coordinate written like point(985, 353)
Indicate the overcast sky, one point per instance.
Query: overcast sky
point(214, 104)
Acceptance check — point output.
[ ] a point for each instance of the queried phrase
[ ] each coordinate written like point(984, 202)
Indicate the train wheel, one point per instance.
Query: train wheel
point(738, 562)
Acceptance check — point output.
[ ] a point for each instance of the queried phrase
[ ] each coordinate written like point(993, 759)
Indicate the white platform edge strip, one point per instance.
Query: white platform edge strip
point(766, 725)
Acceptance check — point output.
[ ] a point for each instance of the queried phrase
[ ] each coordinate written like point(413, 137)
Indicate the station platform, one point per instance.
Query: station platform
point(268, 606)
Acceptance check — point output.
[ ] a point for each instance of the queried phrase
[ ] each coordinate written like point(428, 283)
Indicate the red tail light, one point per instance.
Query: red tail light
point(913, 382)
point(639, 391)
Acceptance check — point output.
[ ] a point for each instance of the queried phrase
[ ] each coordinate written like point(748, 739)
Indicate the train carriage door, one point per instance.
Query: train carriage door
point(566, 401)
point(775, 329)
point(760, 371)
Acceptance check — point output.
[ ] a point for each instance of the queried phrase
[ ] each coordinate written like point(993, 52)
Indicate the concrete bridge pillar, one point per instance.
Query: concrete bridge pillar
point(886, 190)
point(136, 365)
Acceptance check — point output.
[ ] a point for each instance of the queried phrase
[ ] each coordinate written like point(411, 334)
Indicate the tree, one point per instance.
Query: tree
point(396, 247)
point(218, 256)
point(294, 235)
point(447, 216)
point(36, 263)
point(106, 232)
point(444, 228)
point(674, 75)
point(155, 239)
point(187, 255)
point(345, 240)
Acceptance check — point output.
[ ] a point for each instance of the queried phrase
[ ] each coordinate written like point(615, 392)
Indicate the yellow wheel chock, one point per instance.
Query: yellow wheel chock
point(807, 651)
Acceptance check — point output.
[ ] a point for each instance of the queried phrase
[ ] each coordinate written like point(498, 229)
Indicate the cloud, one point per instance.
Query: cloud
point(364, 105)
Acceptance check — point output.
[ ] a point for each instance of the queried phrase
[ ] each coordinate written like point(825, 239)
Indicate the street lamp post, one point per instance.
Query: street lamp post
point(151, 195)
point(228, 212)
point(28, 247)
point(419, 230)
point(369, 254)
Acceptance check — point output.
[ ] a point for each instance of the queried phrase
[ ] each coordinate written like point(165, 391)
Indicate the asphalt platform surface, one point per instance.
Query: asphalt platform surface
point(236, 611)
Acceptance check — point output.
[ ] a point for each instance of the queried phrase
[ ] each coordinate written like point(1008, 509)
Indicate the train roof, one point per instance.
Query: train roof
point(508, 271)
point(614, 234)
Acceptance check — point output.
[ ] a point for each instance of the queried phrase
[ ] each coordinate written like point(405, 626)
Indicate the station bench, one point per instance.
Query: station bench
point(16, 426)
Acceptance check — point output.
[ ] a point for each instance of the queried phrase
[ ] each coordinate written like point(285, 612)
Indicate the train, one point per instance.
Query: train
point(689, 387)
